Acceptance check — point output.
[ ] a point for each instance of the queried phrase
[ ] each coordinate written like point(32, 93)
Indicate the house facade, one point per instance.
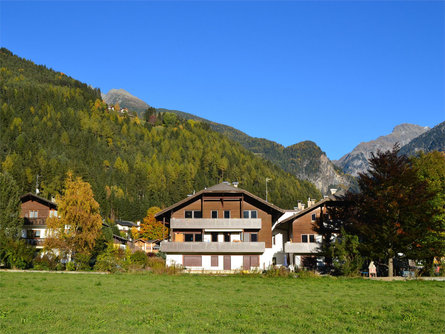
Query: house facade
point(35, 210)
point(303, 243)
point(221, 228)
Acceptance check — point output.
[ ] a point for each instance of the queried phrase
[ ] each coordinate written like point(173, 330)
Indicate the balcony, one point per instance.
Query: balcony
point(35, 241)
point(301, 247)
point(212, 247)
point(218, 223)
point(34, 221)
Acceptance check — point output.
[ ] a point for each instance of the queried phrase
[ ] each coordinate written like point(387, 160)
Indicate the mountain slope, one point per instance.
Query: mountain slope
point(357, 160)
point(125, 100)
point(306, 159)
point(51, 123)
point(431, 140)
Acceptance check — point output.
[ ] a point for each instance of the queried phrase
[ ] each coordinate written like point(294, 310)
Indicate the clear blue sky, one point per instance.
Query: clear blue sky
point(337, 73)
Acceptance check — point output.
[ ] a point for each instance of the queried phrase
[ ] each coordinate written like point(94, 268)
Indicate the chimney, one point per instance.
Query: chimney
point(235, 184)
point(333, 191)
point(310, 202)
point(300, 206)
point(226, 182)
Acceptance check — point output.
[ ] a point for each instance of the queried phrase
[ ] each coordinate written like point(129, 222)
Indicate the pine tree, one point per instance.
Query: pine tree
point(10, 222)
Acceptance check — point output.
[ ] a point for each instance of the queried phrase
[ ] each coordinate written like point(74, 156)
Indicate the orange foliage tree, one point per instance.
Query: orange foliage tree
point(79, 223)
point(151, 229)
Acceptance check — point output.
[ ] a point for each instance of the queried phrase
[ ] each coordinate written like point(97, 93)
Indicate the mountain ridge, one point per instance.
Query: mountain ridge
point(316, 167)
point(356, 161)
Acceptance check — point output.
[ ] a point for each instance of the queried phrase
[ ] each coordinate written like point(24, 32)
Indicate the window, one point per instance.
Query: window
point(33, 214)
point(192, 237)
point(227, 214)
point(37, 233)
point(273, 240)
point(250, 236)
point(226, 237)
point(193, 214)
point(250, 214)
point(308, 238)
point(214, 237)
point(314, 217)
point(214, 214)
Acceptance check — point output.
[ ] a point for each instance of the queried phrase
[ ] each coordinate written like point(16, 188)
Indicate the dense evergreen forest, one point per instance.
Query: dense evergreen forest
point(51, 123)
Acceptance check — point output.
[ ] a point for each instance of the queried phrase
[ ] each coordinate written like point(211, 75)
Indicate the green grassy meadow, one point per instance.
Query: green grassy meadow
point(142, 303)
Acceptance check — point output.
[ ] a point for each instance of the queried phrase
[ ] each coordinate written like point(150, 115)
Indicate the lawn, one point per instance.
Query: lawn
point(143, 303)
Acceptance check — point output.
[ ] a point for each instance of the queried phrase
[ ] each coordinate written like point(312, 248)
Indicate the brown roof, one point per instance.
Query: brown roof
point(36, 198)
point(329, 199)
point(217, 189)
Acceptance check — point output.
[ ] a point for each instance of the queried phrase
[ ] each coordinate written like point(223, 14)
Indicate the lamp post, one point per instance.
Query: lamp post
point(267, 180)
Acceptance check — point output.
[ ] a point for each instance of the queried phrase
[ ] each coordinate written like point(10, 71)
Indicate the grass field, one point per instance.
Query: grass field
point(143, 303)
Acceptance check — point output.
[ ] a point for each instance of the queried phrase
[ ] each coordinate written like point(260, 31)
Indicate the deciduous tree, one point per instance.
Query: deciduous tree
point(151, 229)
point(79, 224)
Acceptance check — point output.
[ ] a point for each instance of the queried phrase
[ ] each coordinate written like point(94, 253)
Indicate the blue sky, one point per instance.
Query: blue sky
point(337, 73)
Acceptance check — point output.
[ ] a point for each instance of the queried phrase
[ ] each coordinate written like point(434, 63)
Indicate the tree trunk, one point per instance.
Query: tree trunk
point(390, 267)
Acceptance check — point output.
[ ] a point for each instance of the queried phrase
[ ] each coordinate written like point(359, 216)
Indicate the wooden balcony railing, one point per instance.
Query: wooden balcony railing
point(35, 221)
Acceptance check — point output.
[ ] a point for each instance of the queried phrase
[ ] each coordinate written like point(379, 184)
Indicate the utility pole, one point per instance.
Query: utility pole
point(267, 180)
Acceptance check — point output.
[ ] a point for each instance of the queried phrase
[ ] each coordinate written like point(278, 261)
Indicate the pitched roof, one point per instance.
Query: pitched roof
point(36, 198)
point(126, 223)
point(332, 198)
point(224, 188)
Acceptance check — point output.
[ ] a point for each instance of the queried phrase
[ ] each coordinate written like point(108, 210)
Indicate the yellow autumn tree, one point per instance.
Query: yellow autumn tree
point(151, 229)
point(79, 224)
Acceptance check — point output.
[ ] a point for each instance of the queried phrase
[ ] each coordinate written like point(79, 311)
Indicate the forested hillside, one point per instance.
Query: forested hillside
point(305, 159)
point(51, 123)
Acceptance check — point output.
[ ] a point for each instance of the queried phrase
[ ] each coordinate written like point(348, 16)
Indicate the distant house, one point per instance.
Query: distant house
point(125, 225)
point(35, 210)
point(148, 246)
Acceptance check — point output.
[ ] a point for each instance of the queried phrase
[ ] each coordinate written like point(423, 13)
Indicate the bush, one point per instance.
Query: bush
point(275, 271)
point(17, 254)
point(45, 262)
point(112, 260)
point(82, 261)
point(139, 258)
point(70, 266)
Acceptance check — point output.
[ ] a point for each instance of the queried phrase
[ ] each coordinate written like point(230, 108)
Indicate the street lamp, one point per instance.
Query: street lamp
point(267, 180)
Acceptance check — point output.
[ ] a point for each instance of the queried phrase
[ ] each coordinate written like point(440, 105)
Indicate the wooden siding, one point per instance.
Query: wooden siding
point(304, 225)
point(236, 204)
point(34, 206)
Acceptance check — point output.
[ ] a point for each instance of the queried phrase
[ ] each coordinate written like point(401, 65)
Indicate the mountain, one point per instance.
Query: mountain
point(357, 160)
point(125, 100)
point(431, 140)
point(51, 123)
point(305, 160)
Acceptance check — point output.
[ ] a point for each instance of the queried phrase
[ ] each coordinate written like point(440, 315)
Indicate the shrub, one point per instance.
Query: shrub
point(275, 271)
point(112, 260)
point(70, 266)
point(139, 258)
point(46, 261)
point(306, 274)
point(18, 254)
point(82, 261)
